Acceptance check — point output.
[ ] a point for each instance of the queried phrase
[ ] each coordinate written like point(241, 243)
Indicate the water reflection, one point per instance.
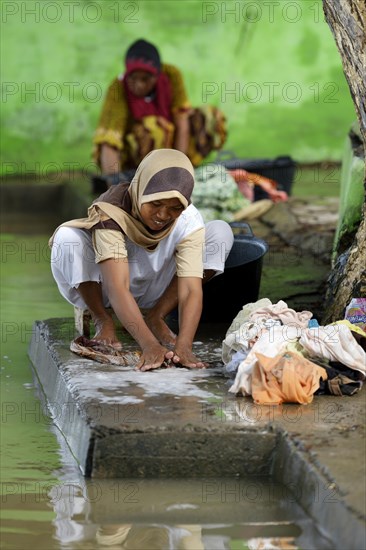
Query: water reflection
point(157, 514)
point(180, 514)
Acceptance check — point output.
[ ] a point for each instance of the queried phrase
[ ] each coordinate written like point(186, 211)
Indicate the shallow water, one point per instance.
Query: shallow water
point(45, 501)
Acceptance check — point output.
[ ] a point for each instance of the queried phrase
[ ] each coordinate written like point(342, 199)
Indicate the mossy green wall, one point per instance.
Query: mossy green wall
point(272, 66)
point(352, 197)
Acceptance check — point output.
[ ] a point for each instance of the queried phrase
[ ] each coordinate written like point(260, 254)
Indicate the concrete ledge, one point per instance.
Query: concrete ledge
point(177, 423)
point(122, 423)
point(186, 452)
point(319, 497)
point(66, 413)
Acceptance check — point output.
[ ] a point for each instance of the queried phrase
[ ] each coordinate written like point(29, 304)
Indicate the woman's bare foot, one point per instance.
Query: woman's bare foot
point(105, 332)
point(160, 330)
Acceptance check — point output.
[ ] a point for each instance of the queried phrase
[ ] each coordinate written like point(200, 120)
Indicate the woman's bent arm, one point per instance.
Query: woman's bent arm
point(115, 274)
point(190, 309)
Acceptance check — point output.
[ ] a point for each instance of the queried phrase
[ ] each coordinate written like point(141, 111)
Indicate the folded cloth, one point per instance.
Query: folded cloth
point(286, 378)
point(336, 343)
point(281, 311)
point(244, 314)
point(270, 343)
point(357, 332)
point(104, 353)
point(232, 367)
point(341, 379)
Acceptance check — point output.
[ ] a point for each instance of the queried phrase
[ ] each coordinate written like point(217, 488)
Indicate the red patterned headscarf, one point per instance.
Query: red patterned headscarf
point(143, 56)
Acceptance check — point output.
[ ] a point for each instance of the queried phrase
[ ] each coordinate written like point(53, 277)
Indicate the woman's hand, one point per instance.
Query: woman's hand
point(181, 138)
point(186, 358)
point(154, 356)
point(110, 161)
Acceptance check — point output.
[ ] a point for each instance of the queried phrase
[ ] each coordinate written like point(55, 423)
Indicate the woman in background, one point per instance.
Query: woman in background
point(147, 108)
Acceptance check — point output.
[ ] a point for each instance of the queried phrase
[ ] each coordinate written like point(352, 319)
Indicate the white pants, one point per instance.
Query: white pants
point(73, 262)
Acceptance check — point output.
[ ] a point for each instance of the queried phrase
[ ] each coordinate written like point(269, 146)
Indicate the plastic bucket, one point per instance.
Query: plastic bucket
point(226, 294)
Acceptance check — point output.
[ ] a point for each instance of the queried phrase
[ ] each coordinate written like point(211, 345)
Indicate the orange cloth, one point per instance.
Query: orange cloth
point(286, 378)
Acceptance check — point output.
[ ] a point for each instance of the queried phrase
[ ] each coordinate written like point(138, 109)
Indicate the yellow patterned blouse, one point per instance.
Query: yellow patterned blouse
point(134, 138)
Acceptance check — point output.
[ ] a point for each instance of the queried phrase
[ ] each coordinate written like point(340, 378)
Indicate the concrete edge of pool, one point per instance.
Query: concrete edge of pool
point(176, 423)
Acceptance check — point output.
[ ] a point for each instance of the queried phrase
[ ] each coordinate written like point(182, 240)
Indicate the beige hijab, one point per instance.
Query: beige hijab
point(162, 174)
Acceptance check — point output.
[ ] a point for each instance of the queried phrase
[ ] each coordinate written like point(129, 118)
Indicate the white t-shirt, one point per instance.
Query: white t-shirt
point(181, 252)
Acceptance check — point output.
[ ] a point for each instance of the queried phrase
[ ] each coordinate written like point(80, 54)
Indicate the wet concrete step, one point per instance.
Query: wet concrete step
point(120, 422)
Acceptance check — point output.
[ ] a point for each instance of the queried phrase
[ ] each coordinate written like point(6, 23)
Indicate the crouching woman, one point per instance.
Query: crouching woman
point(143, 246)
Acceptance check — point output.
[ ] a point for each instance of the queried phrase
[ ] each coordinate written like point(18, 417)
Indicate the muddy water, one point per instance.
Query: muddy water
point(46, 504)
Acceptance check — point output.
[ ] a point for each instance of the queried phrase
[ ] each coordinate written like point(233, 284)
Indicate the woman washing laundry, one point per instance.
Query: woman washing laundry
point(147, 108)
point(143, 245)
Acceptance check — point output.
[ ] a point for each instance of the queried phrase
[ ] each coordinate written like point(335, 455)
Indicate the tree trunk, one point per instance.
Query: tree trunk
point(347, 20)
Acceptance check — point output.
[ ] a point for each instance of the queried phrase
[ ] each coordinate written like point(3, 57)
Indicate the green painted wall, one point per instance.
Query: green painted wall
point(272, 66)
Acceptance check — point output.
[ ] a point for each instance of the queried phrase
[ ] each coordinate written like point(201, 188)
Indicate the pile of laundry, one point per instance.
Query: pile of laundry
point(216, 193)
point(278, 355)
